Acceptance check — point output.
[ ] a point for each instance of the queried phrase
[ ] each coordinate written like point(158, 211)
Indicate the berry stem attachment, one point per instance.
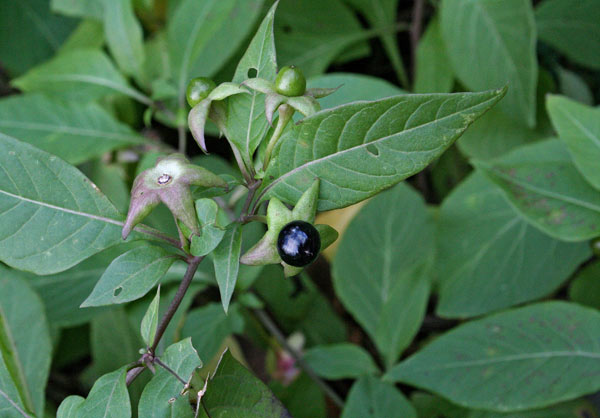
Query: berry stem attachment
point(285, 115)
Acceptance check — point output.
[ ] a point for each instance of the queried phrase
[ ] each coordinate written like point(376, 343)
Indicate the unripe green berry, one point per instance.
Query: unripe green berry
point(198, 89)
point(290, 82)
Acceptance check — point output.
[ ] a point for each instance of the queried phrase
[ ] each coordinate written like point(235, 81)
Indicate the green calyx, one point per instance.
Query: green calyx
point(290, 82)
point(198, 89)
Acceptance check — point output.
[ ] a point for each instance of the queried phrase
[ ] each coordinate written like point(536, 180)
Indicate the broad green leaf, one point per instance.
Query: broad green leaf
point(246, 122)
point(226, 259)
point(74, 132)
point(340, 361)
point(372, 398)
point(574, 86)
point(541, 181)
point(248, 397)
point(362, 148)
point(211, 232)
point(302, 398)
point(80, 75)
point(300, 307)
point(108, 398)
point(578, 126)
point(430, 406)
point(352, 87)
point(383, 14)
point(156, 69)
point(150, 320)
point(30, 34)
point(53, 217)
point(209, 326)
point(69, 406)
point(585, 289)
point(571, 26)
point(490, 258)
point(515, 360)
point(188, 31)
point(308, 36)
point(124, 35)
point(183, 359)
point(79, 8)
point(111, 179)
point(25, 348)
point(89, 34)
point(381, 269)
point(130, 276)
point(433, 73)
point(495, 134)
point(224, 43)
point(491, 43)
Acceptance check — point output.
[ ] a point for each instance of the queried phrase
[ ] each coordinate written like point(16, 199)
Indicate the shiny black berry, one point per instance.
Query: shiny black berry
point(298, 243)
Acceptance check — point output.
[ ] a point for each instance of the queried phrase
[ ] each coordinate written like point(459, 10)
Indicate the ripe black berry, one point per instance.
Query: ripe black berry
point(298, 243)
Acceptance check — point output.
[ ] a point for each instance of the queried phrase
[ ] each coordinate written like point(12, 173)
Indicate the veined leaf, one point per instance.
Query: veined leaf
point(362, 148)
point(79, 8)
point(25, 348)
point(247, 124)
point(226, 259)
point(433, 73)
point(519, 359)
point(124, 35)
point(108, 398)
point(340, 361)
point(53, 217)
point(491, 43)
point(579, 127)
point(372, 398)
point(79, 75)
point(74, 132)
point(541, 181)
point(150, 320)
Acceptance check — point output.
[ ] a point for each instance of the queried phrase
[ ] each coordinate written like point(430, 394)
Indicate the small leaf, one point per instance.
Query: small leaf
point(372, 398)
point(585, 288)
point(249, 396)
point(361, 148)
point(541, 181)
point(551, 346)
point(211, 233)
point(71, 131)
point(130, 276)
point(81, 75)
point(69, 407)
point(183, 359)
point(577, 125)
point(124, 35)
point(150, 320)
point(433, 73)
point(79, 8)
point(226, 259)
point(492, 43)
point(108, 398)
point(340, 361)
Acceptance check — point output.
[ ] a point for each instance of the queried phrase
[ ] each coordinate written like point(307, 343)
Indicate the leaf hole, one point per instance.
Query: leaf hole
point(118, 291)
point(372, 149)
point(252, 72)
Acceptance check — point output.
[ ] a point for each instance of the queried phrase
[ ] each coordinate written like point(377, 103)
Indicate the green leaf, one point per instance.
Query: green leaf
point(541, 181)
point(211, 232)
point(491, 43)
point(209, 326)
point(108, 398)
point(71, 131)
point(360, 149)
point(309, 38)
point(183, 359)
point(25, 348)
point(89, 34)
point(578, 126)
point(150, 320)
point(383, 14)
point(80, 75)
point(248, 397)
point(69, 406)
point(124, 35)
point(433, 73)
point(372, 398)
point(352, 88)
point(381, 269)
point(490, 258)
point(226, 259)
point(247, 123)
point(79, 8)
point(130, 276)
point(53, 216)
point(340, 361)
point(571, 26)
point(188, 31)
point(302, 398)
point(574, 86)
point(30, 34)
point(515, 360)
point(585, 288)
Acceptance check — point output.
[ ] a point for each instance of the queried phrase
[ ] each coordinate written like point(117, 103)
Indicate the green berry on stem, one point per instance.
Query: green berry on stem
point(290, 82)
point(198, 89)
